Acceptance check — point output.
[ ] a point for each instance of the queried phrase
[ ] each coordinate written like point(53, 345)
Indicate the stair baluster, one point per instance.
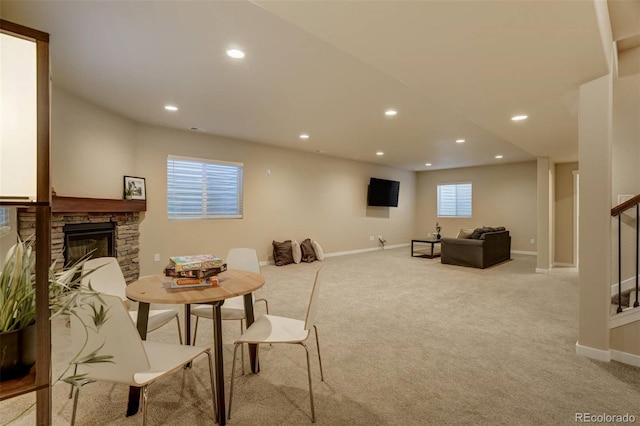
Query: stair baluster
point(619, 263)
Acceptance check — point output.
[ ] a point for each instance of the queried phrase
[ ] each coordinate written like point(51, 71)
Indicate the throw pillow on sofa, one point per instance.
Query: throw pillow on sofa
point(465, 233)
point(308, 255)
point(282, 253)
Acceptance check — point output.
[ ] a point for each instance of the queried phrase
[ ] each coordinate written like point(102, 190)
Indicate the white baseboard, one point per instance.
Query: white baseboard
point(625, 358)
point(529, 253)
point(365, 250)
point(542, 271)
point(597, 354)
point(344, 253)
point(563, 265)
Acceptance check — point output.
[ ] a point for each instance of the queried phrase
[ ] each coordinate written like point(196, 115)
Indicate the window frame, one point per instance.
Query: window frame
point(6, 221)
point(239, 196)
point(455, 216)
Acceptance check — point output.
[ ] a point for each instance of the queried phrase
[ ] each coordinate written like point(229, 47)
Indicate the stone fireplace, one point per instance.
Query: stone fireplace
point(79, 225)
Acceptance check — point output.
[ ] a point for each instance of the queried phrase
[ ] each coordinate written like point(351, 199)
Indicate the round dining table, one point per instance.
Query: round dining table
point(231, 283)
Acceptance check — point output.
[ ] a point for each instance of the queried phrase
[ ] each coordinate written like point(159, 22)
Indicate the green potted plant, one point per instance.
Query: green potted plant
point(128, 194)
point(18, 306)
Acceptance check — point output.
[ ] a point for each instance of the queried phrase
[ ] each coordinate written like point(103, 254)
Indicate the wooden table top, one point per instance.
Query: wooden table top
point(157, 288)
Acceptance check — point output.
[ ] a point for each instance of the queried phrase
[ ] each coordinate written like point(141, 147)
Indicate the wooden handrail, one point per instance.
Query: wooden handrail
point(620, 208)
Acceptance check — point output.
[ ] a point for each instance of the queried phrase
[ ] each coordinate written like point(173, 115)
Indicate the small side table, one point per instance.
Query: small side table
point(430, 254)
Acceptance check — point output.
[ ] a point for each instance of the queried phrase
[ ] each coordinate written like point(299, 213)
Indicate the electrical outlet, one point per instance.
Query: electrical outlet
point(370, 237)
point(532, 241)
point(156, 257)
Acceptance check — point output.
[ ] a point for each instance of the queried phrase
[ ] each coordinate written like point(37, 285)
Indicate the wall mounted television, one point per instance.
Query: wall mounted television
point(383, 193)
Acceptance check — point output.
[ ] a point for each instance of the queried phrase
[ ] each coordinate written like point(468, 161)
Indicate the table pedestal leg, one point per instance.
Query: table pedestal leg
point(219, 367)
point(134, 392)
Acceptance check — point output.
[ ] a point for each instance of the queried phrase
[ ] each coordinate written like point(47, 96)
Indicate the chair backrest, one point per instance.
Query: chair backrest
point(117, 335)
point(245, 259)
point(312, 310)
point(107, 277)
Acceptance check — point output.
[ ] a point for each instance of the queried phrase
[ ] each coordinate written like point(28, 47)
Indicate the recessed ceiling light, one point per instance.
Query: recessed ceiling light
point(427, 164)
point(498, 156)
point(519, 117)
point(235, 53)
point(304, 136)
point(460, 141)
point(379, 153)
point(390, 112)
point(171, 108)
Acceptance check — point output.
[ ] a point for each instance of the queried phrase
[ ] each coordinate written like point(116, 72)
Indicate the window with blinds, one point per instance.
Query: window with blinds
point(454, 200)
point(203, 189)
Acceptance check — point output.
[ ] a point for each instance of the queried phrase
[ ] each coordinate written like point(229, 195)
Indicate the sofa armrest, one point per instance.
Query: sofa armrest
point(462, 252)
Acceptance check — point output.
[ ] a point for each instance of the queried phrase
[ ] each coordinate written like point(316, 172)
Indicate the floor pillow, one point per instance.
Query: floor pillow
point(282, 253)
point(308, 255)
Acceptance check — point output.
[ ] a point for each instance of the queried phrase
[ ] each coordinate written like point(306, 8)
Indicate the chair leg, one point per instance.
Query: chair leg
point(75, 370)
point(195, 331)
point(75, 407)
point(242, 346)
point(144, 405)
point(213, 387)
point(233, 370)
point(313, 413)
point(179, 331)
point(319, 357)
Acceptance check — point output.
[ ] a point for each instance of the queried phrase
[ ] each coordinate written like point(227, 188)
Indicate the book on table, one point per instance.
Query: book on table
point(195, 262)
point(211, 281)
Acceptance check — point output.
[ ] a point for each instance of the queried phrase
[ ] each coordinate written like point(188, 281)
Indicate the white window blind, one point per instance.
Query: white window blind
point(454, 200)
point(203, 189)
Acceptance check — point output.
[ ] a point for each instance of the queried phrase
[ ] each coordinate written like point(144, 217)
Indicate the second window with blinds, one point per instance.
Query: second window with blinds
point(203, 189)
point(454, 199)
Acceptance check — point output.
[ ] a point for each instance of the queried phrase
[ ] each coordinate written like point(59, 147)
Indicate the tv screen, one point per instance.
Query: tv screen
point(383, 193)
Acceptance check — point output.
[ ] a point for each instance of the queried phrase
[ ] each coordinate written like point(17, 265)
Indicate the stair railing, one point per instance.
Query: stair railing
point(617, 211)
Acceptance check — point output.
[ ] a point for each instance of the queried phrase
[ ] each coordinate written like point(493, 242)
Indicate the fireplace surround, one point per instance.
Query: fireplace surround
point(90, 215)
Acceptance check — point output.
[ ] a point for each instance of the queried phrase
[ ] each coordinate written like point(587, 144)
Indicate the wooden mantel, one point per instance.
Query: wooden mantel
point(95, 205)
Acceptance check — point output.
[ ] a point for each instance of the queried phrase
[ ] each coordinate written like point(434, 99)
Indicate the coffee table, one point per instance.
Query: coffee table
point(421, 253)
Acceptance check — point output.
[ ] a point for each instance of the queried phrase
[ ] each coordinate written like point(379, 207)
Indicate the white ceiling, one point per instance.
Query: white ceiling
point(452, 69)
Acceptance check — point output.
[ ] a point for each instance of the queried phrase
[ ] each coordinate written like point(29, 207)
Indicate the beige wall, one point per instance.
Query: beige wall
point(306, 195)
point(594, 131)
point(564, 215)
point(503, 195)
point(91, 148)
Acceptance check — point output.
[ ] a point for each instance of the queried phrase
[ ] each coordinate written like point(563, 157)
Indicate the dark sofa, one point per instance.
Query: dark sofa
point(485, 247)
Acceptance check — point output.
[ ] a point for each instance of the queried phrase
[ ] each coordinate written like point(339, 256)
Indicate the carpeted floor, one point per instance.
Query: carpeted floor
point(405, 341)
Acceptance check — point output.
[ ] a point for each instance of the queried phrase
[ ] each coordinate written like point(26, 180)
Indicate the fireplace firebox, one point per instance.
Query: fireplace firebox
point(81, 239)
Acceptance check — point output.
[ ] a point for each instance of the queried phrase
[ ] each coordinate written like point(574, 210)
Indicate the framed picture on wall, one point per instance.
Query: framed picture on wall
point(134, 188)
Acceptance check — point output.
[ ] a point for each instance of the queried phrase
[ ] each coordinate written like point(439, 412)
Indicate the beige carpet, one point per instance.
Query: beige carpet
point(405, 341)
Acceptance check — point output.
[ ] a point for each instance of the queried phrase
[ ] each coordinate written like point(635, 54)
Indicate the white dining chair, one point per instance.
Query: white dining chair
point(106, 277)
point(245, 259)
point(274, 329)
point(133, 362)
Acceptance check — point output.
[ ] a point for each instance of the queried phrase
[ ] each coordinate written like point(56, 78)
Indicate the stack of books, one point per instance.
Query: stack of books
point(194, 271)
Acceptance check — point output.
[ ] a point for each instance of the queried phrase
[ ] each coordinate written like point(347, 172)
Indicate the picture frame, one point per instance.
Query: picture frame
point(134, 188)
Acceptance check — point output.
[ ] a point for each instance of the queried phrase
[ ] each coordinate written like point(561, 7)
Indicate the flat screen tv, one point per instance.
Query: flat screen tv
point(383, 193)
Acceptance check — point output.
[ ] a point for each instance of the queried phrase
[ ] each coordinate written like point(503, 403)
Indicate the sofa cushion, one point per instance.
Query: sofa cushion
point(282, 253)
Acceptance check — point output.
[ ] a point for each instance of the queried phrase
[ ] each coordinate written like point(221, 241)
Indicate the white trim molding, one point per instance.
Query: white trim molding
point(529, 253)
point(563, 265)
point(344, 253)
point(593, 353)
point(628, 284)
point(625, 358)
point(542, 271)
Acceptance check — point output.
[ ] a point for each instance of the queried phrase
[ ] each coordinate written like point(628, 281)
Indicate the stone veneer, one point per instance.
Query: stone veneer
point(127, 245)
